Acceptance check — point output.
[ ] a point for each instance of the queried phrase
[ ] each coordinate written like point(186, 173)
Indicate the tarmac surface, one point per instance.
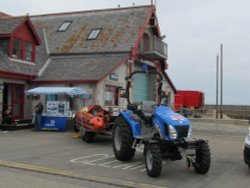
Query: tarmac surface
point(55, 159)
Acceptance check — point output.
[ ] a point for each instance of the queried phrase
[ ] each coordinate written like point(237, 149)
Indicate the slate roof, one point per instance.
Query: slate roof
point(4, 15)
point(7, 26)
point(72, 57)
point(120, 29)
point(76, 68)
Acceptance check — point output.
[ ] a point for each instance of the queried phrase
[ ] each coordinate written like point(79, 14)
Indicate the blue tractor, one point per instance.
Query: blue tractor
point(164, 134)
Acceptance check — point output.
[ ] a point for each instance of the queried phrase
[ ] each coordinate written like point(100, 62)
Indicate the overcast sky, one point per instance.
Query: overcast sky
point(194, 30)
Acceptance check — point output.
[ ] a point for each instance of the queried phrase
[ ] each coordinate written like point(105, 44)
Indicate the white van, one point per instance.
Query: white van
point(246, 152)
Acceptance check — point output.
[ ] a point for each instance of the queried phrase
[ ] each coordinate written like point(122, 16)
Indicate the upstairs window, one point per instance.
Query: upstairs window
point(28, 51)
point(5, 44)
point(64, 26)
point(146, 42)
point(94, 34)
point(17, 49)
point(23, 50)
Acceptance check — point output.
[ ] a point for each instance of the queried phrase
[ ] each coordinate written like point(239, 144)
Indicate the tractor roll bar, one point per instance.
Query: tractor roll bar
point(129, 80)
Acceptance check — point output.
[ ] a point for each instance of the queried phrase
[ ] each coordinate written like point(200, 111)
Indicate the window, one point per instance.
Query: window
point(23, 50)
point(4, 44)
point(17, 49)
point(28, 51)
point(64, 26)
point(94, 34)
point(111, 96)
point(146, 42)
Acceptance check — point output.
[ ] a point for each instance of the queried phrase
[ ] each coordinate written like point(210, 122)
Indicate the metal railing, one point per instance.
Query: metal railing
point(159, 46)
point(156, 50)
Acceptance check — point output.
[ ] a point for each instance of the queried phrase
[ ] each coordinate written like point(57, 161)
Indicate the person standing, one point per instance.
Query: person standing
point(38, 116)
point(7, 116)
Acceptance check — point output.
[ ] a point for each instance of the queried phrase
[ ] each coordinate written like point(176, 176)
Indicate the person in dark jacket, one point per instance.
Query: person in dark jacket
point(7, 116)
point(38, 116)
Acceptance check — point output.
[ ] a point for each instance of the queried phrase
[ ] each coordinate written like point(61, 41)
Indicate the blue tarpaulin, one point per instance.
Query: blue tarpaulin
point(71, 91)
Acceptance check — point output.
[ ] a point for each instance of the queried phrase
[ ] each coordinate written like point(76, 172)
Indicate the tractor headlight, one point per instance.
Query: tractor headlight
point(172, 132)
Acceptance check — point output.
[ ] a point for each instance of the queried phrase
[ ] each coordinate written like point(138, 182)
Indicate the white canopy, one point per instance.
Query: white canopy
point(71, 91)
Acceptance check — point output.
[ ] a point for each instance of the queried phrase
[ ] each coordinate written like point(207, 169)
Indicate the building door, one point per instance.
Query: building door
point(13, 96)
point(17, 100)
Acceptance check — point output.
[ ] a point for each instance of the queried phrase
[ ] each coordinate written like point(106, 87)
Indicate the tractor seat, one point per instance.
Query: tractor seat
point(147, 110)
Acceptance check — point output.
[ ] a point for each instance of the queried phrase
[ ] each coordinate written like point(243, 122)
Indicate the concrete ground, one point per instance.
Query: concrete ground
point(55, 159)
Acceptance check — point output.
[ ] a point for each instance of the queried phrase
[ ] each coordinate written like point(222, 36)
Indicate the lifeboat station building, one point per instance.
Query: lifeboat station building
point(94, 50)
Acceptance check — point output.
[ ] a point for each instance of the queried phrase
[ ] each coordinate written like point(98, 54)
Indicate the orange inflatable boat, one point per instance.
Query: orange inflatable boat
point(93, 118)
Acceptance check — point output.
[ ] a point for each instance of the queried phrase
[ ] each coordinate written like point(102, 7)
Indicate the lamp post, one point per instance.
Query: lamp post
point(221, 81)
point(217, 84)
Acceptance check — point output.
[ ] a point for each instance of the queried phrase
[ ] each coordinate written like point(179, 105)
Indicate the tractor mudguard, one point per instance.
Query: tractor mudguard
point(135, 126)
point(159, 128)
point(170, 117)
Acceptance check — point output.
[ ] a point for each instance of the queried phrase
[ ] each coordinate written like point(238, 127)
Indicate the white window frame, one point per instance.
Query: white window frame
point(94, 34)
point(65, 25)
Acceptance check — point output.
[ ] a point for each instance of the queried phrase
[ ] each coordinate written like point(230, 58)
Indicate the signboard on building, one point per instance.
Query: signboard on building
point(113, 76)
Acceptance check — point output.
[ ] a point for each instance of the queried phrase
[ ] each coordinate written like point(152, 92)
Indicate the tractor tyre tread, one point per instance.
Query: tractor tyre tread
point(203, 158)
point(126, 153)
point(157, 160)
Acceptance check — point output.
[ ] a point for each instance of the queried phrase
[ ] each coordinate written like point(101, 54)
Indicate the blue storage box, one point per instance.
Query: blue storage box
point(54, 123)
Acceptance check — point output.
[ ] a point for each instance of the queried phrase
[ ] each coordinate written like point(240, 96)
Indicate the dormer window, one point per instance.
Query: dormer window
point(17, 49)
point(28, 51)
point(23, 50)
point(94, 34)
point(64, 26)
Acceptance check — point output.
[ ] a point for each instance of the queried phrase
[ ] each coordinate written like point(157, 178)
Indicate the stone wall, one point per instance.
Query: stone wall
point(232, 111)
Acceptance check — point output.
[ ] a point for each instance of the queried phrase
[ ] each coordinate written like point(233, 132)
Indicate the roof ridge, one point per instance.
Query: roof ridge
point(13, 18)
point(90, 11)
point(3, 15)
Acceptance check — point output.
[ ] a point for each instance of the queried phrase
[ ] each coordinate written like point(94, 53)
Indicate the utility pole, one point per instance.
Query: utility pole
point(217, 85)
point(153, 2)
point(221, 80)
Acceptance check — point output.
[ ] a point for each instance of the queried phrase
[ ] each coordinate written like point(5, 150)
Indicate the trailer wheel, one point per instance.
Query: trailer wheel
point(122, 140)
point(82, 132)
point(86, 135)
point(89, 136)
point(202, 158)
point(153, 160)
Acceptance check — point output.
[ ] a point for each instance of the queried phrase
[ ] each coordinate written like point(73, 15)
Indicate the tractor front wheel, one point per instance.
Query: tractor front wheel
point(153, 160)
point(202, 158)
point(122, 140)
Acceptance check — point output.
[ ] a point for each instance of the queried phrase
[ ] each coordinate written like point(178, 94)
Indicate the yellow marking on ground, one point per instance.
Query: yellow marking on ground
point(46, 170)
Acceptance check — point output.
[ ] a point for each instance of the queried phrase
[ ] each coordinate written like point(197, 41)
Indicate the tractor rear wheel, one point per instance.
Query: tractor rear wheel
point(153, 160)
point(122, 140)
point(202, 158)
